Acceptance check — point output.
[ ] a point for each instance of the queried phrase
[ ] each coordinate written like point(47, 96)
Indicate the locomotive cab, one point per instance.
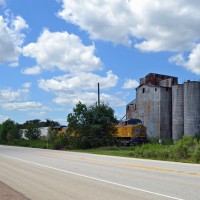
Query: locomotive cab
point(131, 132)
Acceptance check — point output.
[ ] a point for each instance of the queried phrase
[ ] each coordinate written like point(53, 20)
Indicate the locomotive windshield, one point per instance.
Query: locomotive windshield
point(134, 121)
point(131, 122)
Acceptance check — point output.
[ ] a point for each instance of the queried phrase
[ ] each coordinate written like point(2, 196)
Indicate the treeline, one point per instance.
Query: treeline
point(88, 127)
point(11, 132)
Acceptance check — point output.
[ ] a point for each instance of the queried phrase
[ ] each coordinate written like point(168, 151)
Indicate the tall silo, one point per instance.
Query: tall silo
point(177, 111)
point(191, 107)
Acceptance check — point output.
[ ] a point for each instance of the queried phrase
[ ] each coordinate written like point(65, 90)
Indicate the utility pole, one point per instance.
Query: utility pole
point(98, 103)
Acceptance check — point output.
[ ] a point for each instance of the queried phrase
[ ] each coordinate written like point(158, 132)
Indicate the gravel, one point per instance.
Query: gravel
point(7, 193)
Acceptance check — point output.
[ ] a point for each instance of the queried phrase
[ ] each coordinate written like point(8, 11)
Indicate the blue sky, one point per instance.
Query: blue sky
point(54, 52)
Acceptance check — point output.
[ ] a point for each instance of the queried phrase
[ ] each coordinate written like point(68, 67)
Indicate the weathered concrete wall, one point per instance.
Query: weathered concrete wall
point(165, 113)
point(130, 109)
point(191, 107)
point(148, 108)
point(153, 106)
point(177, 112)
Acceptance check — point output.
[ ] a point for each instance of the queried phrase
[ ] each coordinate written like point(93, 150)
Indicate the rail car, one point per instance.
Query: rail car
point(131, 132)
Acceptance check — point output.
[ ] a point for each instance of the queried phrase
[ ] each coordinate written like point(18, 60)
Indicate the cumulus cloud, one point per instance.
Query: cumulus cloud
point(63, 51)
point(191, 63)
point(11, 39)
point(32, 70)
point(19, 24)
point(150, 26)
point(87, 98)
point(129, 83)
point(9, 95)
point(22, 106)
point(154, 25)
point(82, 80)
point(110, 20)
point(72, 88)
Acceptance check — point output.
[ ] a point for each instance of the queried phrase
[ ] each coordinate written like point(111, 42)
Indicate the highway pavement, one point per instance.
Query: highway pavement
point(41, 174)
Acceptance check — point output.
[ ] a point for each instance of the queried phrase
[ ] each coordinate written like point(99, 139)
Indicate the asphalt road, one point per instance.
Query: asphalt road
point(62, 175)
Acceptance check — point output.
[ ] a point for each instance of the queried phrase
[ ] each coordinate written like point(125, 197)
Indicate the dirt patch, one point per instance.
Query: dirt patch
point(7, 193)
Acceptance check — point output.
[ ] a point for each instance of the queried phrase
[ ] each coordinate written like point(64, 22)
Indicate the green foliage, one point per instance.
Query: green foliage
point(90, 127)
point(196, 154)
point(9, 131)
point(184, 147)
point(185, 150)
point(58, 140)
point(32, 132)
point(38, 123)
point(197, 136)
point(30, 143)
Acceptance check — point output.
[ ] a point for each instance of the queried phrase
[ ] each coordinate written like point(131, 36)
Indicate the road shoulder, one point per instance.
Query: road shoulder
point(7, 193)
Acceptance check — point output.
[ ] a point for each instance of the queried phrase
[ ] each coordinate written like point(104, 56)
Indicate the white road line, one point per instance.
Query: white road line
point(92, 178)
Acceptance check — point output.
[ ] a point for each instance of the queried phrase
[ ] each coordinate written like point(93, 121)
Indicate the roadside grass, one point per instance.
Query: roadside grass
point(30, 143)
point(185, 150)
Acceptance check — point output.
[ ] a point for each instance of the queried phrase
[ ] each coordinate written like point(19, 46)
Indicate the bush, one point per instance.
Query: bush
point(30, 143)
point(196, 154)
point(183, 148)
point(197, 136)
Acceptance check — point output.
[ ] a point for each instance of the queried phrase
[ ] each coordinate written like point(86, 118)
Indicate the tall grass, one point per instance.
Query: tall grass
point(185, 150)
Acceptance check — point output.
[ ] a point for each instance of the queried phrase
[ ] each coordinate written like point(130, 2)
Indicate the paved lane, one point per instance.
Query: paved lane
point(48, 174)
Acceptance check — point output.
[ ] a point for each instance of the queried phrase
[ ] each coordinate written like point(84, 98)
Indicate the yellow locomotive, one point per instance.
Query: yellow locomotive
point(131, 132)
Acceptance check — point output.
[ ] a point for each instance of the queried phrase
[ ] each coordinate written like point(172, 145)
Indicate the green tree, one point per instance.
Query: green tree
point(9, 131)
point(51, 123)
point(38, 123)
point(92, 126)
point(32, 131)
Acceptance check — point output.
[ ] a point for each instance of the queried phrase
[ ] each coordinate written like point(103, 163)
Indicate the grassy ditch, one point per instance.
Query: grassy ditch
point(185, 150)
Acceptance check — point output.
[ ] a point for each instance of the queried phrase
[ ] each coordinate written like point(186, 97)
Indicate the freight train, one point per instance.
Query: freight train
point(129, 132)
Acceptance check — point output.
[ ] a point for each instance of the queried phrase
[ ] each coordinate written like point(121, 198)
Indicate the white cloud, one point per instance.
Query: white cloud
point(27, 85)
point(9, 95)
point(107, 20)
point(152, 25)
point(72, 88)
point(11, 39)
point(177, 59)
point(193, 61)
point(31, 70)
point(22, 106)
point(82, 80)
point(129, 83)
point(19, 24)
point(63, 51)
point(88, 98)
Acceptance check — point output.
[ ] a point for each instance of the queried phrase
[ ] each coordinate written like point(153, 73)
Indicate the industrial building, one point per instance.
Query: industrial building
point(167, 109)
